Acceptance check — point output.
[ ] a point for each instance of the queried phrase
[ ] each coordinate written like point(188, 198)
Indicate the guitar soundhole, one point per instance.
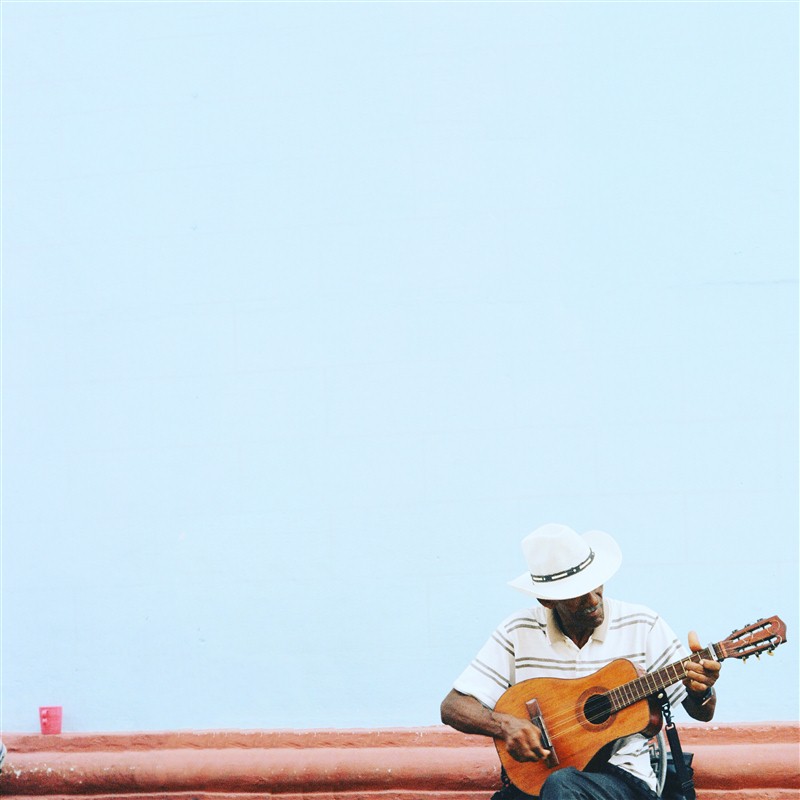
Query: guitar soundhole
point(597, 709)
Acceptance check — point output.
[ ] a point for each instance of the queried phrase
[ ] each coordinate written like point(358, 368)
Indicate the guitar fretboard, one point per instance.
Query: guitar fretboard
point(653, 682)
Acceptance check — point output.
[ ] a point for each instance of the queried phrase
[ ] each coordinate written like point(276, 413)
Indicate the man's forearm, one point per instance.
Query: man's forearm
point(699, 710)
point(468, 715)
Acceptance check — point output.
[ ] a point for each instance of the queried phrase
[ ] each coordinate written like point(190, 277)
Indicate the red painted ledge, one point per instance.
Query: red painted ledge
point(734, 762)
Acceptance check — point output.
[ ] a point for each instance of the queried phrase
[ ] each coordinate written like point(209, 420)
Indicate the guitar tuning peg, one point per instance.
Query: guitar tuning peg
point(771, 651)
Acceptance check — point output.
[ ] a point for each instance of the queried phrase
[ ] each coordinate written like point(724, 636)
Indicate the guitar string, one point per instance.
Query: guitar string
point(572, 723)
point(561, 724)
point(566, 722)
point(555, 722)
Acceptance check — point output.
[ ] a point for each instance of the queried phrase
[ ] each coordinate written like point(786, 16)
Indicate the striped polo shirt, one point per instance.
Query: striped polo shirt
point(529, 644)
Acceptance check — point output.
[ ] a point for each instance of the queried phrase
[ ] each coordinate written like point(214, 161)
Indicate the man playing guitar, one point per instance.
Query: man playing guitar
point(574, 632)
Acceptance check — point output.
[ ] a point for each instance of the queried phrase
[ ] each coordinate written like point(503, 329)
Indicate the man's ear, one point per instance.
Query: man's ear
point(551, 604)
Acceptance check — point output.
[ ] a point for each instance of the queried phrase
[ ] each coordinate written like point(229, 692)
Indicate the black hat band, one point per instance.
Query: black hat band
point(567, 573)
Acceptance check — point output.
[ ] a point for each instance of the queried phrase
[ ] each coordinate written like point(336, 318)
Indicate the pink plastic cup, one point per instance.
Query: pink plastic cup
point(50, 719)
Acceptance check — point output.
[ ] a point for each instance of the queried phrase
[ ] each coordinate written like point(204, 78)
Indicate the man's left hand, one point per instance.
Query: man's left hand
point(700, 677)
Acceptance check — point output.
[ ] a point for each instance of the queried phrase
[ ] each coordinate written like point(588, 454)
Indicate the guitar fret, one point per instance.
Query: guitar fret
point(629, 691)
point(629, 696)
point(653, 682)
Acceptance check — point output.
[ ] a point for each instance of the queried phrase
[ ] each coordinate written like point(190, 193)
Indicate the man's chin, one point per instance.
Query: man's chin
point(596, 618)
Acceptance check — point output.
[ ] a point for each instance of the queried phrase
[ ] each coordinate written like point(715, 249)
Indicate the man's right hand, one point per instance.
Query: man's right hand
point(522, 738)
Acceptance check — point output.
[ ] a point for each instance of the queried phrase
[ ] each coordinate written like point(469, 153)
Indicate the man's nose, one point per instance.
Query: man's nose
point(591, 599)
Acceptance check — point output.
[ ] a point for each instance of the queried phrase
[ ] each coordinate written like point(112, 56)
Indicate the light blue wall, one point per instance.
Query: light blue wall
point(312, 311)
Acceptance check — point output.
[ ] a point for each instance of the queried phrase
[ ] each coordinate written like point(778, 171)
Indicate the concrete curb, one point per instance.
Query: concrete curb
point(739, 762)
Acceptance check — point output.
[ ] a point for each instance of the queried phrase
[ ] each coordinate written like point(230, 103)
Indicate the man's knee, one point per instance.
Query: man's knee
point(564, 784)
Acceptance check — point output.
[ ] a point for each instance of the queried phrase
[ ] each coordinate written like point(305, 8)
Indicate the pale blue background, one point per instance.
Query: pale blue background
point(312, 311)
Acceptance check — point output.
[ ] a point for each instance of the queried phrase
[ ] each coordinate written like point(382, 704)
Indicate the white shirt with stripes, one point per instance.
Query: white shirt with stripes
point(529, 644)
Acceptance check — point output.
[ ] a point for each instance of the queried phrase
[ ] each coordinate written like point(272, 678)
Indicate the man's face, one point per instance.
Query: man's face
point(584, 612)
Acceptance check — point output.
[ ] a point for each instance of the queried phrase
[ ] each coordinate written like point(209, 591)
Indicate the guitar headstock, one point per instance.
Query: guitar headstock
point(766, 634)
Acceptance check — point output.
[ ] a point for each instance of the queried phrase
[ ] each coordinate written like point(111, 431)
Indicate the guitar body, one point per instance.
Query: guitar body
point(576, 725)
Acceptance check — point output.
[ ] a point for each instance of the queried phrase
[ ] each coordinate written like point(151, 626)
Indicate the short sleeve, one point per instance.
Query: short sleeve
point(491, 672)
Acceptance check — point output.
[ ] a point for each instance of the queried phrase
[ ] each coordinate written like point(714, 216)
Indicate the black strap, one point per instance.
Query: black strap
point(684, 775)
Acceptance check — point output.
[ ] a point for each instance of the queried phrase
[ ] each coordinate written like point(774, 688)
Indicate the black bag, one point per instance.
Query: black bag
point(672, 783)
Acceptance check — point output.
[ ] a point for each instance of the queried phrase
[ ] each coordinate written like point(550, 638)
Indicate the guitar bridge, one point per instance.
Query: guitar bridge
point(535, 714)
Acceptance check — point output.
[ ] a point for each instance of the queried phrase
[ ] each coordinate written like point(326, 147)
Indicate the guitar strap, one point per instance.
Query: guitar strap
point(683, 772)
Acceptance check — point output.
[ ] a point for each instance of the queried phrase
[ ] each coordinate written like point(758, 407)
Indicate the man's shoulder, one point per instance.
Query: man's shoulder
point(525, 618)
point(621, 612)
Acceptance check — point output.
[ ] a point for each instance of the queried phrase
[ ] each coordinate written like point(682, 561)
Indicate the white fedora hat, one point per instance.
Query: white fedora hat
point(563, 564)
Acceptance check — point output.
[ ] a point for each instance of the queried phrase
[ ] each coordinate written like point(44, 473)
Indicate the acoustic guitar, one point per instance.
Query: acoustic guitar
point(578, 717)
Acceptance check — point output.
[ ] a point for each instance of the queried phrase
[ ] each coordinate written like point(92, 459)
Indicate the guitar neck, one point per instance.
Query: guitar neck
point(653, 682)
